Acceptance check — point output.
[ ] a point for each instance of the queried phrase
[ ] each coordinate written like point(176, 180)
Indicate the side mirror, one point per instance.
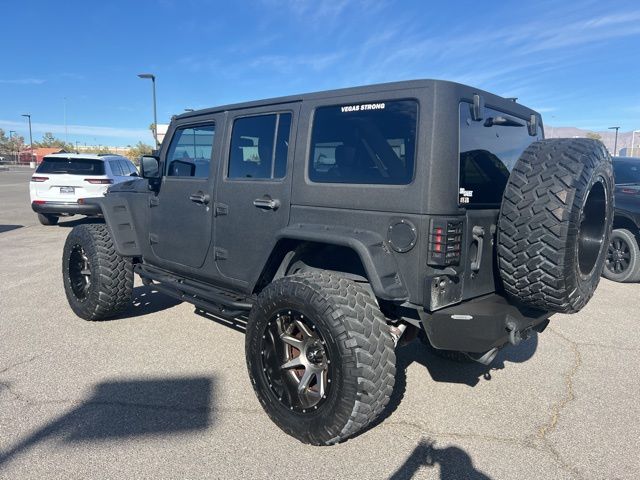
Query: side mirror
point(149, 167)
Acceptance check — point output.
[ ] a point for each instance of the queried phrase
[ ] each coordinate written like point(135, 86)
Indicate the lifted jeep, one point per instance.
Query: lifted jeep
point(344, 222)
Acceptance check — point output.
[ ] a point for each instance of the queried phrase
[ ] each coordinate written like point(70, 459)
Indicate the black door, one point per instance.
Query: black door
point(181, 215)
point(254, 194)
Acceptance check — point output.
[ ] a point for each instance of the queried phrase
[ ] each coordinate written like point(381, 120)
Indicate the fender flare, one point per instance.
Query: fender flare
point(378, 261)
point(117, 215)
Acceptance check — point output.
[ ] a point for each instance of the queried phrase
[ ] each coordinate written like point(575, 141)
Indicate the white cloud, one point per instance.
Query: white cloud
point(88, 130)
point(23, 81)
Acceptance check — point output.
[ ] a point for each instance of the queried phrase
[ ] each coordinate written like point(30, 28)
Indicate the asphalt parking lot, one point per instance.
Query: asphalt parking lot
point(164, 393)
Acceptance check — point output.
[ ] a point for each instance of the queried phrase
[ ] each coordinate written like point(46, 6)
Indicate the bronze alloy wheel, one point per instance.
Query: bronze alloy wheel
point(295, 361)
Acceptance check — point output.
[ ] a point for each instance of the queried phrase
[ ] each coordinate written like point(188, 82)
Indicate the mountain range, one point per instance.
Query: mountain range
point(607, 137)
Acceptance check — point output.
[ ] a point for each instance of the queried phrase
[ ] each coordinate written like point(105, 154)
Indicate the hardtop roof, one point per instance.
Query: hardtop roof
point(344, 92)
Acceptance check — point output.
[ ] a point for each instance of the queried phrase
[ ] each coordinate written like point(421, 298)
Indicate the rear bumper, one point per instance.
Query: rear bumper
point(69, 208)
point(481, 324)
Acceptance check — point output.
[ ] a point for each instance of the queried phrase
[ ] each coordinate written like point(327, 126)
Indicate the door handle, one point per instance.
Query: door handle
point(201, 198)
point(267, 203)
point(478, 237)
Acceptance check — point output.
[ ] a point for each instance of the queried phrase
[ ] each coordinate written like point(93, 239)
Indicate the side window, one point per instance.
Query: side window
point(189, 153)
point(116, 168)
point(489, 150)
point(259, 147)
point(370, 143)
point(125, 167)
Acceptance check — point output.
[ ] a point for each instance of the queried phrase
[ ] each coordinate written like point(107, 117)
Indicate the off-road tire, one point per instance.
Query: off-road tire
point(632, 272)
point(555, 222)
point(359, 346)
point(111, 276)
point(46, 219)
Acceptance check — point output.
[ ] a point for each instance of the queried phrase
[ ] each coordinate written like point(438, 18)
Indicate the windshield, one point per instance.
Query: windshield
point(72, 166)
point(626, 171)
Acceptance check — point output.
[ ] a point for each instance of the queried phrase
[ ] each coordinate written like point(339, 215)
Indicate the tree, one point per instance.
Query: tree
point(49, 141)
point(138, 150)
point(10, 145)
point(594, 136)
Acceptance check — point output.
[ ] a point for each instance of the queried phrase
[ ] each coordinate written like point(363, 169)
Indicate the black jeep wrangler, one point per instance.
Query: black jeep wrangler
point(346, 221)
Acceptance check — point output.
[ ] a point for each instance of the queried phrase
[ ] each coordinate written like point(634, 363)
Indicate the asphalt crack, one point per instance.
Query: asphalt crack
point(424, 430)
point(557, 409)
point(22, 362)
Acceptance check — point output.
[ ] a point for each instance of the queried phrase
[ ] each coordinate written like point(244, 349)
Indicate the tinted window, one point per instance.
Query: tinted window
point(489, 149)
point(364, 143)
point(132, 167)
point(72, 166)
point(189, 154)
point(124, 167)
point(257, 150)
point(626, 171)
point(116, 167)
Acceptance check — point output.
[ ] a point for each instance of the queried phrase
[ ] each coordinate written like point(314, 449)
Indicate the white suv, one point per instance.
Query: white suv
point(63, 180)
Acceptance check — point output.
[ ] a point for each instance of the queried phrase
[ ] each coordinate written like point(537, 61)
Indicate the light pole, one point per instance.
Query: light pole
point(12, 133)
point(615, 144)
point(155, 118)
point(30, 135)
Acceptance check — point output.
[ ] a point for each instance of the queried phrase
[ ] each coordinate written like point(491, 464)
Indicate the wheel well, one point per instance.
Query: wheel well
point(297, 253)
point(624, 222)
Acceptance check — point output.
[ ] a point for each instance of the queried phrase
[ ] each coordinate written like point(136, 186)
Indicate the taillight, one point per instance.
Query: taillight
point(630, 191)
point(99, 181)
point(39, 179)
point(39, 202)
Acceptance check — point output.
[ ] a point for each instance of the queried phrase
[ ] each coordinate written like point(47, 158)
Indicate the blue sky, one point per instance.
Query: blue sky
point(578, 63)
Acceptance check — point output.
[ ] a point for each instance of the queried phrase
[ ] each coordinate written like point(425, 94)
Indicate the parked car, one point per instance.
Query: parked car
point(342, 223)
point(63, 181)
point(623, 255)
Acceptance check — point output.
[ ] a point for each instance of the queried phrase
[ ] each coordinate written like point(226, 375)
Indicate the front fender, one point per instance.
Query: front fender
point(117, 215)
point(379, 263)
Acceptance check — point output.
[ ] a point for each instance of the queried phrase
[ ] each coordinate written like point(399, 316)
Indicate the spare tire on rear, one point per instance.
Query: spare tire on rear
point(555, 223)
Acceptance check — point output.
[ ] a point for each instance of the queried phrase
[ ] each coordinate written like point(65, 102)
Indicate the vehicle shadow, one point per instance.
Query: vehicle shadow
point(147, 300)
point(8, 228)
point(75, 221)
point(448, 371)
point(120, 409)
point(454, 463)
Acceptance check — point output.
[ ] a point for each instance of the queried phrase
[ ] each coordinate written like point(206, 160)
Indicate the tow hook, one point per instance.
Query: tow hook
point(517, 336)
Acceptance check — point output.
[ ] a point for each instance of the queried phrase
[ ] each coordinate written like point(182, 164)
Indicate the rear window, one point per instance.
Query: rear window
point(72, 166)
point(626, 171)
point(368, 143)
point(489, 149)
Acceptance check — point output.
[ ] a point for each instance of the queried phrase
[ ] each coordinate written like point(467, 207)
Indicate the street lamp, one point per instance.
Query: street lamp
point(30, 135)
point(155, 118)
point(615, 144)
point(12, 133)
